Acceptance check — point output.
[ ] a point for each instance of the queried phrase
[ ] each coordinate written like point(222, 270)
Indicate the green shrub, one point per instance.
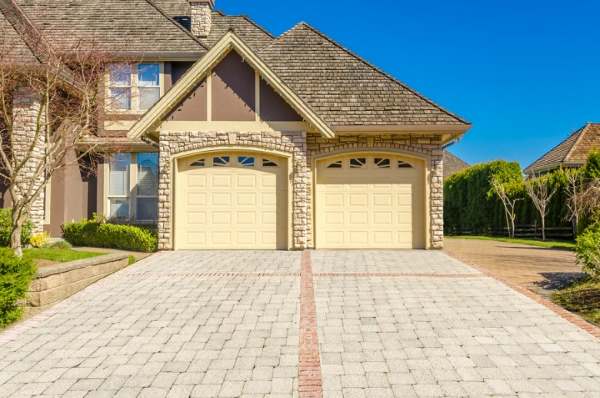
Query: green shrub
point(6, 226)
point(60, 244)
point(115, 236)
point(591, 169)
point(588, 251)
point(15, 277)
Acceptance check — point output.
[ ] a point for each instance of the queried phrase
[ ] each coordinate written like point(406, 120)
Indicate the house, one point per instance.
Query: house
point(571, 153)
point(453, 164)
point(227, 137)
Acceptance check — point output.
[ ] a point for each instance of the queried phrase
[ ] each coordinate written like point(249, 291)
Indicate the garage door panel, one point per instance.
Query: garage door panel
point(234, 206)
point(371, 206)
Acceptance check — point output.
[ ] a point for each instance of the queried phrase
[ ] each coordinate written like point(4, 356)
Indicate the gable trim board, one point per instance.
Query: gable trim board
point(202, 69)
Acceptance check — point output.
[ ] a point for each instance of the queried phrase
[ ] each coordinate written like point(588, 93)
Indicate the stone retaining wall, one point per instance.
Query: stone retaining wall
point(56, 283)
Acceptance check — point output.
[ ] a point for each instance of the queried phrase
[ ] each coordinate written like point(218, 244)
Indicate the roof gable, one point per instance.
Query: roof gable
point(187, 83)
point(116, 26)
point(572, 152)
point(343, 88)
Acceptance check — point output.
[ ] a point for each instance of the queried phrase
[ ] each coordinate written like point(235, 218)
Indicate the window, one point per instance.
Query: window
point(133, 187)
point(269, 163)
point(246, 161)
point(358, 163)
point(134, 87)
point(382, 163)
point(199, 163)
point(118, 191)
point(147, 187)
point(335, 165)
point(221, 161)
point(404, 165)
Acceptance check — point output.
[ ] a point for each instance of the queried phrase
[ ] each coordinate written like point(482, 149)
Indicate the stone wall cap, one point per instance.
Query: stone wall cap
point(77, 264)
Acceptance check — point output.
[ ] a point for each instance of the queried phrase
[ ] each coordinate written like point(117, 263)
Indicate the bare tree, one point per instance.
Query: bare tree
point(540, 192)
point(45, 110)
point(590, 199)
point(575, 190)
point(506, 192)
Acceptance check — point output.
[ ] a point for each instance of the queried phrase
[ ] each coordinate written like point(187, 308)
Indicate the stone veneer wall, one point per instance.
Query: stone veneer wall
point(26, 111)
point(428, 145)
point(294, 143)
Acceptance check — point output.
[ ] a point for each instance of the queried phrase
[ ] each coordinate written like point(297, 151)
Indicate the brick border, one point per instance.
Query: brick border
point(395, 275)
point(310, 382)
point(558, 310)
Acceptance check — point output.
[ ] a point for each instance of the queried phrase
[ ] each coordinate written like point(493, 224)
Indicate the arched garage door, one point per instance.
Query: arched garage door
point(370, 201)
point(231, 201)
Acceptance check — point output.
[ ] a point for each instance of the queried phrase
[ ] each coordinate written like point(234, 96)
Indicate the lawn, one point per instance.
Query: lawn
point(57, 255)
point(549, 244)
point(583, 298)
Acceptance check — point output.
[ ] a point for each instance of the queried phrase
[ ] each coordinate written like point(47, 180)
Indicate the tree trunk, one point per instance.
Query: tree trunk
point(15, 239)
point(543, 228)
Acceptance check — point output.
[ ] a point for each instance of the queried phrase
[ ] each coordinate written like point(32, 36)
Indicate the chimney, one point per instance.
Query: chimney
point(201, 16)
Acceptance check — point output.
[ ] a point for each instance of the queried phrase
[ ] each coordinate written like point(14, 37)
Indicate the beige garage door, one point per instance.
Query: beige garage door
point(370, 201)
point(231, 201)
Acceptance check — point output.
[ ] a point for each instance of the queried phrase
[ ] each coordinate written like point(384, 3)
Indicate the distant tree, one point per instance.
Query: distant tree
point(540, 192)
point(591, 169)
point(574, 188)
point(508, 193)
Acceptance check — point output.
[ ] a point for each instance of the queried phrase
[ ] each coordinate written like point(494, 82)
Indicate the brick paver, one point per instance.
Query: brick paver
point(272, 324)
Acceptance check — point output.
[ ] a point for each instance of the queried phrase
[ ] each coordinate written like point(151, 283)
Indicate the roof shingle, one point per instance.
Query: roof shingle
point(13, 48)
point(343, 88)
point(117, 26)
point(253, 35)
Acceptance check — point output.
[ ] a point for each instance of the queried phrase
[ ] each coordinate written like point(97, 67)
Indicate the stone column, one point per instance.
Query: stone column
point(437, 199)
point(301, 198)
point(164, 194)
point(27, 113)
point(201, 15)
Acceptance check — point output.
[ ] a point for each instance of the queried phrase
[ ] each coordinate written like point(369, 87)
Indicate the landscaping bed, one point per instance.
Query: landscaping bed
point(48, 256)
point(583, 298)
point(549, 244)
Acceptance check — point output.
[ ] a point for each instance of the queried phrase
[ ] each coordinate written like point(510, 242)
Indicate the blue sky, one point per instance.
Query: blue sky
point(526, 73)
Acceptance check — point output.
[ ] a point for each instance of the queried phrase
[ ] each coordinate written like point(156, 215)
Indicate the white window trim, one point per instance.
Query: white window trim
point(133, 195)
point(135, 97)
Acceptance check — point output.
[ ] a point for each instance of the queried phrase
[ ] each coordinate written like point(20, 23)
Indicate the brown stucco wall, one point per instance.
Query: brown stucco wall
point(193, 107)
point(273, 108)
point(233, 90)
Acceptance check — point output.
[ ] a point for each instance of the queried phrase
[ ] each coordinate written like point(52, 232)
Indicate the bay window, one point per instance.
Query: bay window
point(134, 87)
point(133, 187)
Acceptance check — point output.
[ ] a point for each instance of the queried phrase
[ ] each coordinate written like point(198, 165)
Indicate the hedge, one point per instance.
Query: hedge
point(6, 227)
point(588, 250)
point(94, 233)
point(15, 277)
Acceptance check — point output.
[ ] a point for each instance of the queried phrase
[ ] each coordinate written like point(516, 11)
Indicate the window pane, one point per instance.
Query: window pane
point(120, 75)
point(147, 175)
point(120, 98)
point(119, 174)
point(119, 209)
point(147, 209)
point(148, 75)
point(148, 97)
point(221, 161)
point(246, 161)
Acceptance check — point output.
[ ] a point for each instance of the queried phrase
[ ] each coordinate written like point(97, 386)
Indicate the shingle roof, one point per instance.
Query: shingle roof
point(253, 35)
point(572, 152)
point(117, 26)
point(344, 89)
point(453, 164)
point(13, 48)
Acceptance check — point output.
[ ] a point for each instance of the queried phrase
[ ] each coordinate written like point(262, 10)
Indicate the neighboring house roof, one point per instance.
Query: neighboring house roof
point(134, 27)
point(343, 88)
point(246, 29)
point(453, 164)
point(572, 152)
point(13, 48)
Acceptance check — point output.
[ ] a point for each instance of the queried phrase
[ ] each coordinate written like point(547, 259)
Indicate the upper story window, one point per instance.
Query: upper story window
point(134, 87)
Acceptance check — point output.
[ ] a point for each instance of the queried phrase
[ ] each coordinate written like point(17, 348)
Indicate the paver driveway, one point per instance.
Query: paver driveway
point(389, 323)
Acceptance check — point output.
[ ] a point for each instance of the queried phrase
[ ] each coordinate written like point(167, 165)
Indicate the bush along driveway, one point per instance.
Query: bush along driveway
point(285, 324)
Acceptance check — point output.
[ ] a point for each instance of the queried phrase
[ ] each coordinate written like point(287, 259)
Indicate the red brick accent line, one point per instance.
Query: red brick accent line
point(395, 275)
point(310, 383)
point(558, 310)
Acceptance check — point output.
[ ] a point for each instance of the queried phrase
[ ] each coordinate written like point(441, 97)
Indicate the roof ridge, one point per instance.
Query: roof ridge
point(281, 36)
point(375, 68)
point(178, 25)
point(250, 20)
point(582, 133)
point(12, 10)
point(554, 147)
